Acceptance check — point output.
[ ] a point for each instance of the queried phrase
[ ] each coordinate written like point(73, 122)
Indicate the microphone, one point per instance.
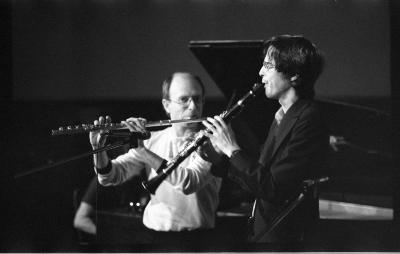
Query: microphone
point(311, 182)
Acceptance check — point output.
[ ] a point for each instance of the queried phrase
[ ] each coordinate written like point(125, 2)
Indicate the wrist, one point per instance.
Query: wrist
point(104, 170)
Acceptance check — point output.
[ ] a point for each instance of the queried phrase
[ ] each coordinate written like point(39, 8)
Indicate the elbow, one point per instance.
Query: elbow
point(190, 186)
point(77, 223)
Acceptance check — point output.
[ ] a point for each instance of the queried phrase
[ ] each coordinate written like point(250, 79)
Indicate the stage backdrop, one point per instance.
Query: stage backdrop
point(124, 49)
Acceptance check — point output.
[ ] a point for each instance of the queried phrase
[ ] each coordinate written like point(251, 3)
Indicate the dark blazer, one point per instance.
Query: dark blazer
point(293, 152)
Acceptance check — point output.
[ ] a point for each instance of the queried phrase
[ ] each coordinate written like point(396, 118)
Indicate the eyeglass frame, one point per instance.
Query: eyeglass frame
point(197, 100)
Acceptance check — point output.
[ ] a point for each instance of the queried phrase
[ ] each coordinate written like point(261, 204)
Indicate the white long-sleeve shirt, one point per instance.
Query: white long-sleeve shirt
point(186, 200)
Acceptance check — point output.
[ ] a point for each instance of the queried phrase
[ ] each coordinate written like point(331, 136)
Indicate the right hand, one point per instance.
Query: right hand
point(97, 140)
point(221, 135)
point(137, 124)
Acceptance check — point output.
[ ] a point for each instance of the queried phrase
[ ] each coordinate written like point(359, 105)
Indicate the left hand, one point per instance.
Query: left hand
point(222, 137)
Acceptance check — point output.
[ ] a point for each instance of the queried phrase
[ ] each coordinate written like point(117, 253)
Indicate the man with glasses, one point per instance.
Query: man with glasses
point(294, 149)
point(185, 204)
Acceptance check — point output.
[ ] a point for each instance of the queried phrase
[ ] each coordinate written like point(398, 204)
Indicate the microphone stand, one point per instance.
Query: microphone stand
point(130, 138)
point(306, 187)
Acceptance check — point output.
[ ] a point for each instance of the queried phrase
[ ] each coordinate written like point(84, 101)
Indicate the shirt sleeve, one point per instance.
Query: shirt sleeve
point(193, 177)
point(123, 168)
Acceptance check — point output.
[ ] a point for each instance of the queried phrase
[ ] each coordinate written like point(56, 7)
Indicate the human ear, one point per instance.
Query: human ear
point(165, 104)
point(294, 80)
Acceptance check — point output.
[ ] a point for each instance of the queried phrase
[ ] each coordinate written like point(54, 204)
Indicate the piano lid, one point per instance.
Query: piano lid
point(233, 65)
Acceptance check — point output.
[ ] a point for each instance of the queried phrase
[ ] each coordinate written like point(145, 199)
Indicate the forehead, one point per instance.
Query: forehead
point(183, 85)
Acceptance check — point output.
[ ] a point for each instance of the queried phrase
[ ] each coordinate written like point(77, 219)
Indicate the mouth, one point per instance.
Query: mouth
point(264, 81)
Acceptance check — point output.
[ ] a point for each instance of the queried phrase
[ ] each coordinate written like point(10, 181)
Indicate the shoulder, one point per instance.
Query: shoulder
point(311, 119)
point(309, 108)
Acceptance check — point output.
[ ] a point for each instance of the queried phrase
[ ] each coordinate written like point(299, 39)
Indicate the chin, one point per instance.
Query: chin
point(192, 125)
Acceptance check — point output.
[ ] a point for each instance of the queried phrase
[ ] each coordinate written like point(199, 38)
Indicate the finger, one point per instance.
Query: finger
point(139, 123)
point(108, 119)
point(209, 126)
point(131, 126)
point(143, 120)
point(220, 121)
point(207, 134)
point(214, 122)
point(101, 119)
point(101, 139)
point(136, 121)
point(96, 123)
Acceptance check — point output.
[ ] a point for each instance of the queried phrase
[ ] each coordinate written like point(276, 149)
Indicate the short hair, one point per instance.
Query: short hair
point(296, 55)
point(167, 83)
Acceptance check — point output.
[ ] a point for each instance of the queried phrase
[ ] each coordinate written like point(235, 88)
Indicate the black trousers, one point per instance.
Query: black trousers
point(200, 239)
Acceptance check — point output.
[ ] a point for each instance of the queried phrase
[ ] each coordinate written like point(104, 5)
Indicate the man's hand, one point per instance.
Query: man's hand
point(137, 125)
point(97, 140)
point(144, 155)
point(209, 153)
point(222, 137)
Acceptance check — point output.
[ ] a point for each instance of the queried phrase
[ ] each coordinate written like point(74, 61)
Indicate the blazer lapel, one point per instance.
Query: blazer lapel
point(288, 121)
point(268, 145)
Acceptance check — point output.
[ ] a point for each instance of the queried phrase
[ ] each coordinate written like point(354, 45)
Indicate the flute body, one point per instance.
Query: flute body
point(83, 128)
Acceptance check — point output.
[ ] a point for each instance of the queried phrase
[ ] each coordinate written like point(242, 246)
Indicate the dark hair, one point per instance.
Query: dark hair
point(296, 55)
point(167, 83)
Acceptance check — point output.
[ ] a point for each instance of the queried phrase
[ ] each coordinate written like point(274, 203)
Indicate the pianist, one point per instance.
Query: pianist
point(295, 146)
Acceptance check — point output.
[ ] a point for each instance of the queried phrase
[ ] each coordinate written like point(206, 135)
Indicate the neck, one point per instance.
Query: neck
point(288, 99)
point(182, 130)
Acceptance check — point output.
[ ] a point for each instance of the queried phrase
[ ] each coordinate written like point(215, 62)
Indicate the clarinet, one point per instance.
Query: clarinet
point(152, 184)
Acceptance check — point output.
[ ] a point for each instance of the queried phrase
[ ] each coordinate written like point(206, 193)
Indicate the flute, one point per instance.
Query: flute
point(83, 128)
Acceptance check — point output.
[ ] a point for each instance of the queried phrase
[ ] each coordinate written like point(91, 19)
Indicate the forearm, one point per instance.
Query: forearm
point(85, 224)
point(247, 172)
point(149, 158)
point(82, 220)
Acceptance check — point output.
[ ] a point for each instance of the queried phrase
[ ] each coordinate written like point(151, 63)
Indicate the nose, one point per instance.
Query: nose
point(192, 105)
point(261, 72)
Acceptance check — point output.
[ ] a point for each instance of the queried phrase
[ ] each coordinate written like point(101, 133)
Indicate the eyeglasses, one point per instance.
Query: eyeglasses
point(268, 65)
point(185, 101)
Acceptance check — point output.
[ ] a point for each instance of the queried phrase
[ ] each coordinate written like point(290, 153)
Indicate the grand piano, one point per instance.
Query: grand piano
point(362, 183)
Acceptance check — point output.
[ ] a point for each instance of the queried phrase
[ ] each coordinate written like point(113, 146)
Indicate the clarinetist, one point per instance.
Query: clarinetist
point(183, 209)
point(294, 149)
